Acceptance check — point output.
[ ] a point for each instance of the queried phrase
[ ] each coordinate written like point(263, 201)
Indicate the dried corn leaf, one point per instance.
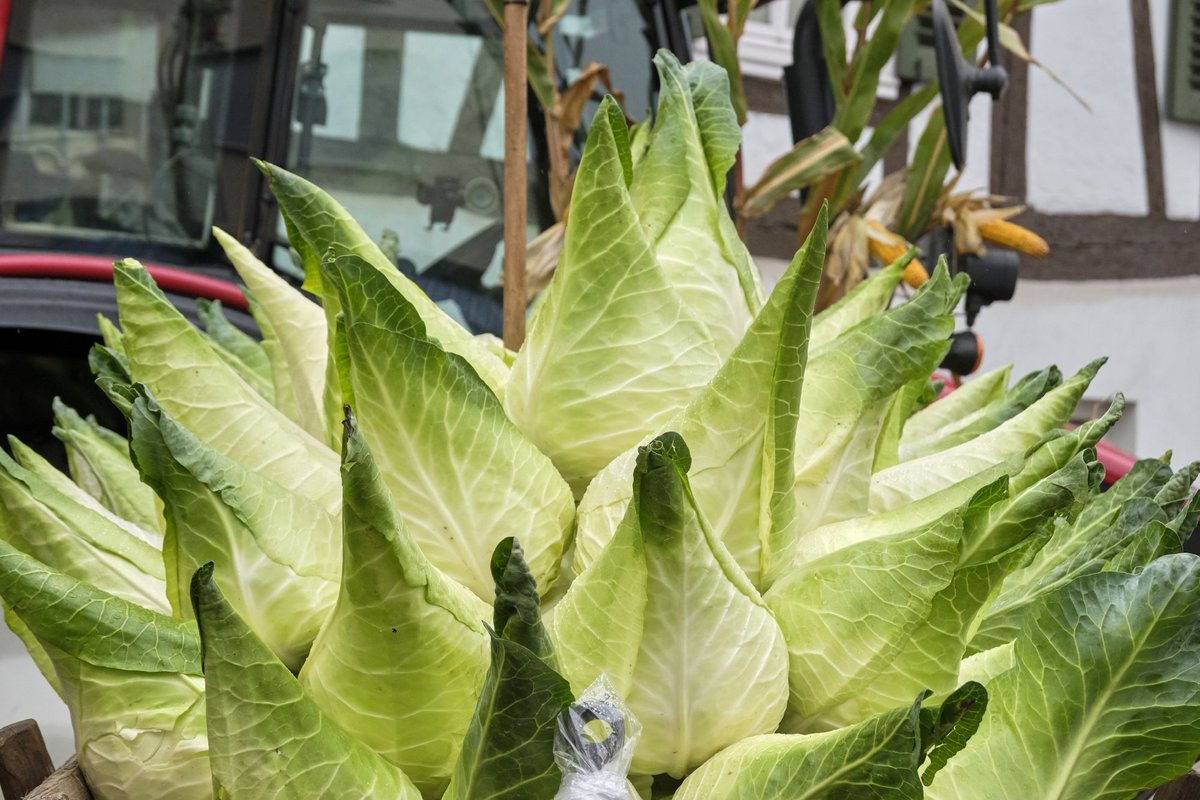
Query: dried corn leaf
point(812, 159)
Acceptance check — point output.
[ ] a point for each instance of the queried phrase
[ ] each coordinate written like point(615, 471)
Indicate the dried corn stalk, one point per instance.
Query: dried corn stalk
point(888, 247)
point(846, 259)
point(541, 257)
point(562, 122)
point(1014, 236)
point(978, 217)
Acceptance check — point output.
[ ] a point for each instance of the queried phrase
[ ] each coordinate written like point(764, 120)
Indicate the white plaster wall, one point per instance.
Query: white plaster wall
point(765, 137)
point(976, 173)
point(1148, 329)
point(1080, 161)
point(1180, 140)
point(34, 700)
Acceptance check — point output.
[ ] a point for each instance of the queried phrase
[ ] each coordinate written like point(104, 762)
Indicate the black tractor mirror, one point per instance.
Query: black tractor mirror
point(993, 277)
point(965, 353)
point(960, 80)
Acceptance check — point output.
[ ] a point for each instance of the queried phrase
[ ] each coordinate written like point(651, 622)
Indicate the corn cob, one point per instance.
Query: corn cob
point(888, 251)
point(1013, 236)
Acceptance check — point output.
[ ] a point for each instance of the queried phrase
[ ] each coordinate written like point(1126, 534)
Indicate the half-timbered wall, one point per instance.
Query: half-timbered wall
point(1114, 188)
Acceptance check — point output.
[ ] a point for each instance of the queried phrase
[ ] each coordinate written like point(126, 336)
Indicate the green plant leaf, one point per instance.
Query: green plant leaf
point(128, 675)
point(1060, 446)
point(319, 227)
point(876, 759)
point(924, 179)
point(461, 473)
point(111, 369)
point(833, 40)
point(191, 383)
point(517, 611)
point(1104, 698)
point(299, 325)
point(811, 159)
point(238, 349)
point(947, 732)
point(99, 462)
point(1024, 394)
point(278, 552)
point(267, 738)
point(742, 431)
point(686, 618)
point(677, 192)
point(401, 661)
point(848, 388)
point(91, 624)
point(967, 399)
point(44, 514)
point(1108, 524)
point(869, 298)
point(919, 477)
point(508, 753)
point(613, 352)
point(110, 334)
point(882, 138)
point(902, 405)
point(281, 380)
point(724, 52)
point(851, 656)
point(865, 68)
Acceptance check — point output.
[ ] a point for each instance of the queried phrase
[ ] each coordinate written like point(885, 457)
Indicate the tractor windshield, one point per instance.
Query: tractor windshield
point(126, 126)
point(117, 119)
point(398, 112)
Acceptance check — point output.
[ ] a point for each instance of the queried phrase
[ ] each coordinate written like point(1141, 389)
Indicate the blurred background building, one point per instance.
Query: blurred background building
point(1114, 188)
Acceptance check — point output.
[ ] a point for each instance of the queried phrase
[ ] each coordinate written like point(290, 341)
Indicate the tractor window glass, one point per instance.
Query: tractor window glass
point(119, 120)
point(398, 113)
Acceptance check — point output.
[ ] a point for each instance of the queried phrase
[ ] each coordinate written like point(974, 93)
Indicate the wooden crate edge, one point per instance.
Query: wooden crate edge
point(65, 783)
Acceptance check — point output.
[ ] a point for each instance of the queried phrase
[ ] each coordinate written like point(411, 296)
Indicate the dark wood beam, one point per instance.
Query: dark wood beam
point(1147, 95)
point(765, 96)
point(1082, 246)
point(775, 234)
point(768, 97)
point(1010, 122)
point(1111, 247)
point(896, 157)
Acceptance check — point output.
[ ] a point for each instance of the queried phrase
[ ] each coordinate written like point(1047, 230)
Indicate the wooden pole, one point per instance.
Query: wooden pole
point(515, 121)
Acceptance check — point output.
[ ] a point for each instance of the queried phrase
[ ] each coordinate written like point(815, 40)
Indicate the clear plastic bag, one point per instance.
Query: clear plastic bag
point(594, 746)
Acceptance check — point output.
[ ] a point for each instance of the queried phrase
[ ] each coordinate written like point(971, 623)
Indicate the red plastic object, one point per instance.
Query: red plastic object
point(5, 10)
point(95, 268)
point(1115, 460)
point(948, 383)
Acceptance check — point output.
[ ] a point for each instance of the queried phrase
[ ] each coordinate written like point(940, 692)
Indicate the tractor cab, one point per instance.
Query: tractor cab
point(127, 129)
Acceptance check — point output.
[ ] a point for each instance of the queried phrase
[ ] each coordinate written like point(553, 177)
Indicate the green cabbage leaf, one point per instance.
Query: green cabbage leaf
point(461, 473)
point(670, 618)
point(613, 351)
point(130, 678)
point(279, 553)
point(401, 661)
point(191, 382)
point(741, 430)
point(267, 739)
point(678, 194)
point(1103, 698)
